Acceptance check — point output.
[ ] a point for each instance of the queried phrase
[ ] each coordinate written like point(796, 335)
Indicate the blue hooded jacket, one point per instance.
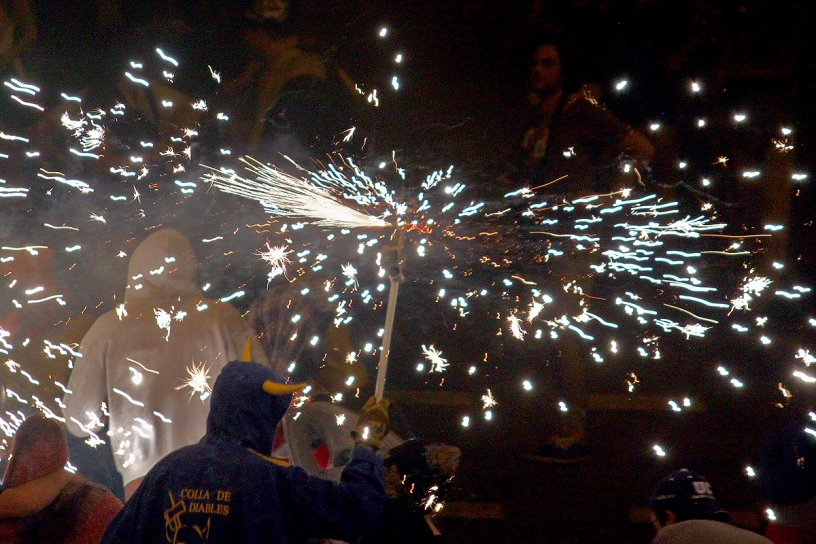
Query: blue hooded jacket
point(224, 489)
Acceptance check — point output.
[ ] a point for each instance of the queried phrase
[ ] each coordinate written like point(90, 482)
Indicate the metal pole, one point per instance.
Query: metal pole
point(396, 277)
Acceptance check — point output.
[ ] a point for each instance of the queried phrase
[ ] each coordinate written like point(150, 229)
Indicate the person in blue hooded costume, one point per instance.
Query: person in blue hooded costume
point(226, 488)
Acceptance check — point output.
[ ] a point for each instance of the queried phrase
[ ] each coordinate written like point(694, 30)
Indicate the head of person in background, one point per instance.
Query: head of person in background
point(277, 17)
point(79, 511)
point(553, 66)
point(684, 510)
point(684, 495)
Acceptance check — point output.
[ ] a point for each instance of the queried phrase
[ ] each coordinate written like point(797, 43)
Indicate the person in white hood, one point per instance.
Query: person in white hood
point(149, 364)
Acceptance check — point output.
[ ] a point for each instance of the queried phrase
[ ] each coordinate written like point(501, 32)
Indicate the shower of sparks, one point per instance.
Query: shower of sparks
point(488, 401)
point(277, 258)
point(351, 273)
point(438, 364)
point(198, 380)
point(806, 357)
point(163, 320)
point(515, 327)
point(320, 198)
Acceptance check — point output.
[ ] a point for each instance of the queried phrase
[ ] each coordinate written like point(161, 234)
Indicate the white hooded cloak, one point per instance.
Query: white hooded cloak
point(149, 365)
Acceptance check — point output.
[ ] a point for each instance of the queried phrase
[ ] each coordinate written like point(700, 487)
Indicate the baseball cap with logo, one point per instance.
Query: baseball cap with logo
point(689, 496)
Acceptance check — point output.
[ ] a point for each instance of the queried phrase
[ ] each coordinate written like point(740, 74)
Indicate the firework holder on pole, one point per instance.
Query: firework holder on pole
point(396, 277)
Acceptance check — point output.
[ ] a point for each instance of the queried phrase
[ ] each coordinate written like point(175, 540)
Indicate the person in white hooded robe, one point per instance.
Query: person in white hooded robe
point(148, 365)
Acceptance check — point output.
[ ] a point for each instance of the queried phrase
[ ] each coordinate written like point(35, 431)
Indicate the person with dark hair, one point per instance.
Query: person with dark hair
point(79, 512)
point(571, 148)
point(570, 136)
point(227, 488)
point(685, 511)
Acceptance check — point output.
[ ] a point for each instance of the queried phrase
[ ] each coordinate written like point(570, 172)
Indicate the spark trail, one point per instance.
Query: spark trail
point(617, 271)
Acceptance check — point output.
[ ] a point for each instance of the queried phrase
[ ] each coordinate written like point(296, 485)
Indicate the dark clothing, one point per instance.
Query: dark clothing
point(582, 142)
point(221, 491)
point(218, 491)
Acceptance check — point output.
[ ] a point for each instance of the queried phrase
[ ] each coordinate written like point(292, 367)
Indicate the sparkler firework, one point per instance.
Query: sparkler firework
point(319, 201)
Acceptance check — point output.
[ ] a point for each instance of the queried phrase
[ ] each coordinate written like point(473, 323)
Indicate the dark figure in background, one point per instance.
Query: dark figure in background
point(80, 512)
point(787, 476)
point(571, 148)
point(17, 31)
point(226, 488)
point(286, 323)
point(684, 511)
point(289, 98)
point(570, 135)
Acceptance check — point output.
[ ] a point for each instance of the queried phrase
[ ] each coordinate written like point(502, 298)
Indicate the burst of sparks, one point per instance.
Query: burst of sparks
point(805, 356)
point(163, 320)
point(438, 364)
point(198, 380)
point(755, 285)
point(488, 401)
point(344, 196)
point(515, 327)
point(351, 273)
point(277, 257)
point(535, 310)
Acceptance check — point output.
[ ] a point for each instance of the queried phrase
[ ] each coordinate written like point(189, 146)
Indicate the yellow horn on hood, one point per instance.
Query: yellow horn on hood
point(274, 388)
point(246, 357)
